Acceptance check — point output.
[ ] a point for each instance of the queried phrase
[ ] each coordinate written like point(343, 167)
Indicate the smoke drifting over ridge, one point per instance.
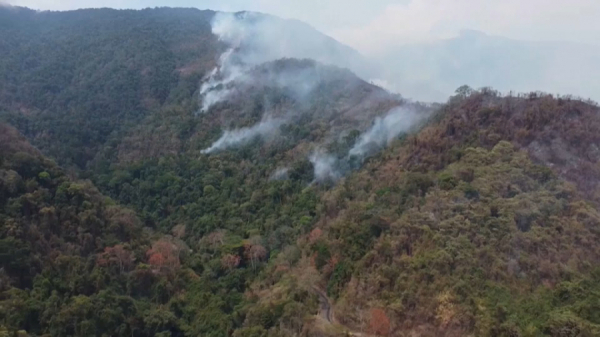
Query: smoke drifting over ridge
point(263, 51)
point(262, 38)
point(254, 38)
point(428, 70)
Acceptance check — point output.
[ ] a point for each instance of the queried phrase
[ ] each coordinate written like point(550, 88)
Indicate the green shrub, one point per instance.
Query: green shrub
point(446, 181)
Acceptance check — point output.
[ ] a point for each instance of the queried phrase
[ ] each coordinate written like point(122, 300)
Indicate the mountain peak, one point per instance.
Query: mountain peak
point(472, 34)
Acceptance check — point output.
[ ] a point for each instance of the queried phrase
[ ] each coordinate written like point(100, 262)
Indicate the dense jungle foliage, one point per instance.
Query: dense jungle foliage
point(71, 80)
point(482, 222)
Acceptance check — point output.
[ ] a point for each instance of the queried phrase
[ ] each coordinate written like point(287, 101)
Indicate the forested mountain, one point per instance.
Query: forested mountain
point(205, 183)
point(465, 229)
point(73, 81)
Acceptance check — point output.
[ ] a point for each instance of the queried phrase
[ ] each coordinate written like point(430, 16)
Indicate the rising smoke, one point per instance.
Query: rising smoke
point(254, 38)
point(261, 38)
point(263, 51)
point(267, 127)
point(384, 130)
point(396, 122)
point(324, 166)
point(215, 87)
point(259, 48)
point(280, 174)
point(298, 79)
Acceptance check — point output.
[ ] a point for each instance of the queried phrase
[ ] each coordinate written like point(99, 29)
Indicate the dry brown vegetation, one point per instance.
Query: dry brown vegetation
point(464, 229)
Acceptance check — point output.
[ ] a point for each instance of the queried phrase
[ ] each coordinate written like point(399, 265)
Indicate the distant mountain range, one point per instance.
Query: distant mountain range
point(432, 71)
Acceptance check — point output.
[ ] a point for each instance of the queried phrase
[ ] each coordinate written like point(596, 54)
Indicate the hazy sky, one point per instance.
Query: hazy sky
point(372, 26)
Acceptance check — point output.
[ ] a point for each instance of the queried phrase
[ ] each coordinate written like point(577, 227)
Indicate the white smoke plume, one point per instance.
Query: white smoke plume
point(262, 38)
point(280, 174)
point(384, 130)
point(324, 166)
point(230, 138)
point(214, 89)
point(255, 38)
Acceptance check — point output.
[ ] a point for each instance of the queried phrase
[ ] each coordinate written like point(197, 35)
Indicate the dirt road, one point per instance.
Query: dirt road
point(326, 313)
point(325, 309)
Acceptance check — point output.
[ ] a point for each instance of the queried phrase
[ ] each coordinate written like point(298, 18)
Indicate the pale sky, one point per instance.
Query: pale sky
point(375, 25)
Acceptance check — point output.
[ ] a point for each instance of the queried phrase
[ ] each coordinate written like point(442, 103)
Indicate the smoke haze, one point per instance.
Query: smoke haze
point(426, 67)
point(431, 71)
point(257, 50)
point(255, 38)
point(401, 38)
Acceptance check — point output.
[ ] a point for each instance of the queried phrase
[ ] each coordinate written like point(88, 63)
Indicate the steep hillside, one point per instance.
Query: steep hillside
point(462, 229)
point(74, 263)
point(212, 219)
point(468, 227)
point(75, 81)
point(457, 230)
point(304, 104)
point(71, 79)
point(63, 247)
point(245, 163)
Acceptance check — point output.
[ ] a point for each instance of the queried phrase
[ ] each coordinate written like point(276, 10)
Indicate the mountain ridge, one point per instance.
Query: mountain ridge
point(167, 53)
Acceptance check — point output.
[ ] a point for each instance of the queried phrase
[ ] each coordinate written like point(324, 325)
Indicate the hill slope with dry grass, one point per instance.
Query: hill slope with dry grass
point(463, 228)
